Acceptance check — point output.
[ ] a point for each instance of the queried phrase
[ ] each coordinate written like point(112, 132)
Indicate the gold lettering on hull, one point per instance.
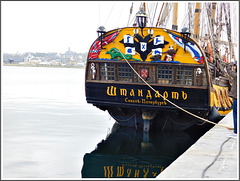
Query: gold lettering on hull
point(138, 97)
point(140, 94)
point(123, 92)
point(132, 93)
point(111, 91)
point(175, 95)
point(165, 95)
point(184, 95)
point(149, 95)
point(157, 94)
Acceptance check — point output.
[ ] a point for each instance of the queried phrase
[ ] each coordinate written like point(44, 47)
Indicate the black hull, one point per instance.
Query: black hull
point(164, 120)
point(140, 96)
point(127, 102)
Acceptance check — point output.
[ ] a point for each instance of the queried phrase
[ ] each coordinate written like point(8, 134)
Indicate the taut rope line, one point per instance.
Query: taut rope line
point(163, 96)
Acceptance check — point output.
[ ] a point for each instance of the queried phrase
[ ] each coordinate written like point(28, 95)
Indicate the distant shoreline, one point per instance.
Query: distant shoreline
point(47, 66)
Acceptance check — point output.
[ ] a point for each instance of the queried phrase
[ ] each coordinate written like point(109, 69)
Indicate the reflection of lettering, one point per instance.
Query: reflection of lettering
point(154, 174)
point(162, 169)
point(120, 171)
point(136, 173)
point(145, 172)
point(123, 92)
point(129, 172)
point(112, 91)
point(108, 171)
point(184, 95)
point(175, 95)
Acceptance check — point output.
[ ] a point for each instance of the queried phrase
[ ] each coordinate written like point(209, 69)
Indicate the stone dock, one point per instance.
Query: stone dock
point(213, 156)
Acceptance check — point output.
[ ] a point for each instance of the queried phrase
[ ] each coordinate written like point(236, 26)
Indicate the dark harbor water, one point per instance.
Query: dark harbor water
point(49, 131)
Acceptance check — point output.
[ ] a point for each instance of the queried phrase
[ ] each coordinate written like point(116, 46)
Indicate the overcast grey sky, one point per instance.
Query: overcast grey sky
point(43, 26)
point(54, 26)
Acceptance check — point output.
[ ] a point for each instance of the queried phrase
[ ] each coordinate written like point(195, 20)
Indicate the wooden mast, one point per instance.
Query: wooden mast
point(230, 34)
point(213, 15)
point(213, 43)
point(197, 22)
point(219, 25)
point(144, 5)
point(190, 17)
point(175, 16)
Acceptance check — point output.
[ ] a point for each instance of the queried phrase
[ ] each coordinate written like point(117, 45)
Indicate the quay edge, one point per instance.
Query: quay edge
point(214, 155)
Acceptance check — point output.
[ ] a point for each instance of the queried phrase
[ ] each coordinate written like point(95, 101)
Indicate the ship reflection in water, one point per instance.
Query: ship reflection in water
point(130, 153)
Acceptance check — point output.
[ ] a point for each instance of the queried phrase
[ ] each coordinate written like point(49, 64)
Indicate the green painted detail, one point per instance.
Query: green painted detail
point(116, 54)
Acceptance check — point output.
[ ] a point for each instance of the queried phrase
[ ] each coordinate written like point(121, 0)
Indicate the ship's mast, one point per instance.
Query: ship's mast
point(219, 24)
point(213, 15)
point(190, 17)
point(144, 6)
point(197, 22)
point(214, 45)
point(175, 16)
point(228, 26)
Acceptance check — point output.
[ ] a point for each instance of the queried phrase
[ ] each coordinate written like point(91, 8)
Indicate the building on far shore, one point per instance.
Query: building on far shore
point(69, 58)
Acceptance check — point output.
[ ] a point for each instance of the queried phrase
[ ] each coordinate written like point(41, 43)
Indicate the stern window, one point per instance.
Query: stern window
point(107, 71)
point(124, 72)
point(165, 75)
point(184, 75)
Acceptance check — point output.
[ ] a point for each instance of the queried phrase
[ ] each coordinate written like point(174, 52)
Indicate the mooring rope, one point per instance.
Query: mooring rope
point(163, 96)
point(215, 159)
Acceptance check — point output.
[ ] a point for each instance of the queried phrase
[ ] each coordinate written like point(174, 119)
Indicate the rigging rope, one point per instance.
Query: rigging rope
point(109, 13)
point(159, 15)
point(149, 15)
point(154, 14)
point(163, 96)
point(131, 9)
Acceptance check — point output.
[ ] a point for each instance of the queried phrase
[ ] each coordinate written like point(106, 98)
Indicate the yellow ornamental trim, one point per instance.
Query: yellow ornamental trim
point(160, 46)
